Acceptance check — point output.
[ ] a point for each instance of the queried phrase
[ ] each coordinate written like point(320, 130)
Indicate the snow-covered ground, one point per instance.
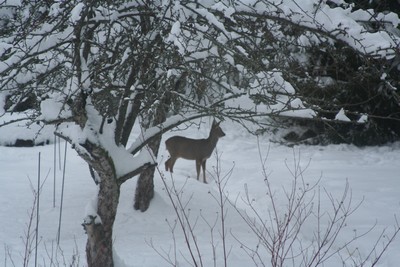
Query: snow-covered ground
point(141, 238)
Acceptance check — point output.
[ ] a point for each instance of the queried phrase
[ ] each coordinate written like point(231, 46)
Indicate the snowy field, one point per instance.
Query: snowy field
point(141, 239)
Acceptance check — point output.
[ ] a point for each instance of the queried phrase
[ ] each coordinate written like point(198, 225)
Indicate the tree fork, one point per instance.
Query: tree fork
point(99, 252)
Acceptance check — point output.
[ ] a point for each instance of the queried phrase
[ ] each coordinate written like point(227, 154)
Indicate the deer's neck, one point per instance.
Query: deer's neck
point(212, 140)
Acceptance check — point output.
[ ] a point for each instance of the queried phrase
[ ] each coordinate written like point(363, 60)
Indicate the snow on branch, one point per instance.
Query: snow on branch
point(169, 124)
point(337, 23)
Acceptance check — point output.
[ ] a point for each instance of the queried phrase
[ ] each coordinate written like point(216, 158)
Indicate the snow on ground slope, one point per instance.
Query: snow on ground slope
point(141, 239)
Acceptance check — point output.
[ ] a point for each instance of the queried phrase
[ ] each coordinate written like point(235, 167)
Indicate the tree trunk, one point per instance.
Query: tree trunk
point(99, 250)
point(99, 226)
point(144, 190)
point(145, 185)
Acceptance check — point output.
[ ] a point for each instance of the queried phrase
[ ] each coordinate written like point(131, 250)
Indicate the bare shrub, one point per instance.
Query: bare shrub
point(54, 255)
point(186, 222)
point(280, 230)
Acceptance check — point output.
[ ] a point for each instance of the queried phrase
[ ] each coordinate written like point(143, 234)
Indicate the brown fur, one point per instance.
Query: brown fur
point(193, 149)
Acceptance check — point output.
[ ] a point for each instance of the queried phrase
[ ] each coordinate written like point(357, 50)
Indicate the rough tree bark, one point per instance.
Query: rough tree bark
point(99, 227)
point(100, 230)
point(99, 244)
point(144, 192)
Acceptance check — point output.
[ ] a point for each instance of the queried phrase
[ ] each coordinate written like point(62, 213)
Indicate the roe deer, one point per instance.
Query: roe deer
point(193, 149)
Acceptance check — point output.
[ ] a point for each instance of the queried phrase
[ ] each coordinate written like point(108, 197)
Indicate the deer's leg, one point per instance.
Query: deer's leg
point(198, 164)
point(203, 164)
point(169, 164)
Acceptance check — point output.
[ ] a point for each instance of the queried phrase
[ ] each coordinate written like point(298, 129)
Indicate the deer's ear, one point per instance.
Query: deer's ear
point(215, 123)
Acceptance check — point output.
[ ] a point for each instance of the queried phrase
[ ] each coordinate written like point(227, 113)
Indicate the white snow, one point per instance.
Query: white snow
point(76, 12)
point(341, 22)
point(174, 37)
point(372, 175)
point(143, 239)
point(297, 109)
point(24, 129)
point(363, 119)
point(53, 108)
point(341, 116)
